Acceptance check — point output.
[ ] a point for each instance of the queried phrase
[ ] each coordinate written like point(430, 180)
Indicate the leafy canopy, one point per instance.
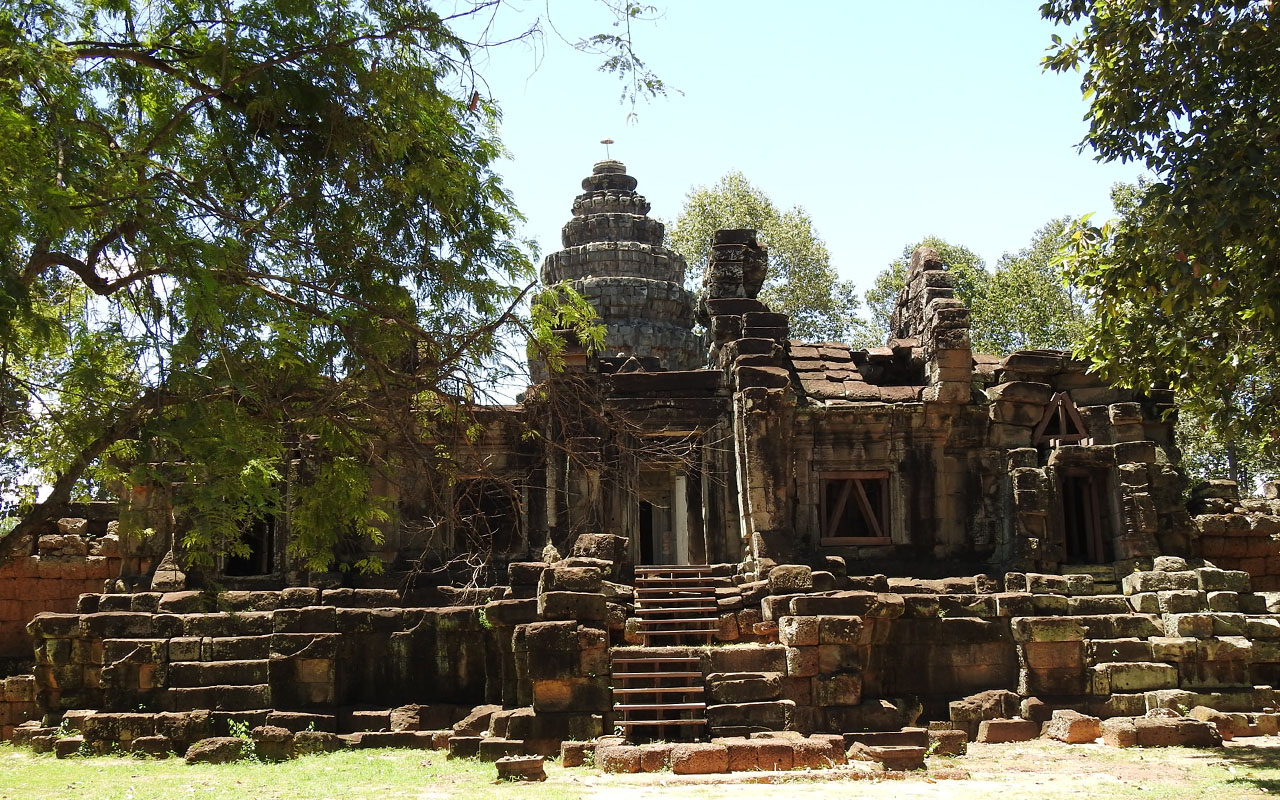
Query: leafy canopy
point(801, 281)
point(1183, 284)
point(244, 242)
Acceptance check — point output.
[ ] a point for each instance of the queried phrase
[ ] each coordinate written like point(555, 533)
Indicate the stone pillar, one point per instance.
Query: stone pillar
point(680, 516)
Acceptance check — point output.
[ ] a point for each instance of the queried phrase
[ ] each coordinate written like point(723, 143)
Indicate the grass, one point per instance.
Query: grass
point(1042, 770)
point(381, 774)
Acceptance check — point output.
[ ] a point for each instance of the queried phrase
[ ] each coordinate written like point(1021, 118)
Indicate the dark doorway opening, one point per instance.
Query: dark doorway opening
point(488, 516)
point(648, 545)
point(261, 559)
point(1086, 517)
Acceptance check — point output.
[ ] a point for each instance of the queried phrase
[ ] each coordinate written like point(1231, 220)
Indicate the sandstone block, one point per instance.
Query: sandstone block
point(839, 689)
point(1072, 727)
point(576, 754)
point(1047, 629)
point(744, 687)
point(581, 606)
point(521, 768)
point(948, 742)
point(772, 715)
point(998, 731)
point(796, 631)
point(217, 750)
point(699, 759)
point(153, 746)
point(1119, 732)
point(1154, 581)
point(1176, 733)
point(790, 578)
point(802, 661)
point(898, 758)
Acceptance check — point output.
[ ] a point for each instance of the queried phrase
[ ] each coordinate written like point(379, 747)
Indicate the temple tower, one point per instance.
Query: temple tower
point(613, 256)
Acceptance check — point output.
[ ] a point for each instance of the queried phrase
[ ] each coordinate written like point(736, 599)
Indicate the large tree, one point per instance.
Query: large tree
point(244, 239)
point(801, 281)
point(1183, 285)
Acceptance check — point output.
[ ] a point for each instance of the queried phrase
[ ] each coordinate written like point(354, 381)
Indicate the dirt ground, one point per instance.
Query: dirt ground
point(1038, 770)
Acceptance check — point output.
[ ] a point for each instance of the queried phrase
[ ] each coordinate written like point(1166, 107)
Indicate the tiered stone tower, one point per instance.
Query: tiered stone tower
point(613, 256)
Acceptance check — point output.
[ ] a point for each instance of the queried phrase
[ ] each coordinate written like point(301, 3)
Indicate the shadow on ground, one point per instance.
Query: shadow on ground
point(1254, 767)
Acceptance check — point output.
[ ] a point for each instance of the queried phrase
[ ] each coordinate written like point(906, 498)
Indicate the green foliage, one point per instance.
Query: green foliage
point(557, 314)
point(1022, 304)
point(1182, 285)
point(1026, 303)
point(241, 245)
point(801, 281)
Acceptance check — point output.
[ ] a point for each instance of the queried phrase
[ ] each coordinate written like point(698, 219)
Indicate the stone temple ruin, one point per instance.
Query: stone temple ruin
point(910, 535)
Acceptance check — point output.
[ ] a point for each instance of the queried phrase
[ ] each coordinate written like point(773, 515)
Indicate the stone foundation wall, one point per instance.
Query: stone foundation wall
point(890, 651)
point(299, 649)
point(1239, 533)
point(63, 567)
point(17, 703)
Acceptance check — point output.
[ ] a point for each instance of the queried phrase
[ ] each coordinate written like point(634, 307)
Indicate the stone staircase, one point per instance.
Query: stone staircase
point(658, 692)
point(676, 604)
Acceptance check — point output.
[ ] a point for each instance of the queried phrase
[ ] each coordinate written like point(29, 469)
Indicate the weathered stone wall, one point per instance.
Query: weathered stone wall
point(1239, 533)
point(881, 655)
point(17, 703)
point(296, 649)
point(50, 576)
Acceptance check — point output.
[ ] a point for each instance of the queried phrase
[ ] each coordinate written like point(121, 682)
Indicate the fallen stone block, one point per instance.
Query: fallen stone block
point(68, 746)
point(1229, 725)
point(818, 752)
point(1182, 732)
point(309, 742)
point(464, 746)
point(699, 759)
point(951, 742)
point(618, 758)
point(576, 754)
point(521, 768)
point(1072, 727)
point(898, 758)
point(1119, 732)
point(999, 731)
point(218, 750)
point(272, 743)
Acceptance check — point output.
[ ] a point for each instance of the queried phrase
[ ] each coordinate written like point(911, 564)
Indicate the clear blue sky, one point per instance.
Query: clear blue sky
point(886, 121)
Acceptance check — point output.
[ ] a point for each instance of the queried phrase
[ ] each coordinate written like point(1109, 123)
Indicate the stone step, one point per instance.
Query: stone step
point(683, 609)
point(674, 569)
point(666, 621)
point(191, 674)
point(907, 737)
point(219, 698)
point(638, 675)
point(658, 706)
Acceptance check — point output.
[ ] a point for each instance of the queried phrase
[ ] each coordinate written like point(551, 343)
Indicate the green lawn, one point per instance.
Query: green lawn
point(1036, 770)
point(381, 774)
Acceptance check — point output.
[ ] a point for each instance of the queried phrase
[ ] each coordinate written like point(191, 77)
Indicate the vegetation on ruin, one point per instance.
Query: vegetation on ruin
point(1022, 304)
point(1182, 285)
point(801, 282)
point(246, 242)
